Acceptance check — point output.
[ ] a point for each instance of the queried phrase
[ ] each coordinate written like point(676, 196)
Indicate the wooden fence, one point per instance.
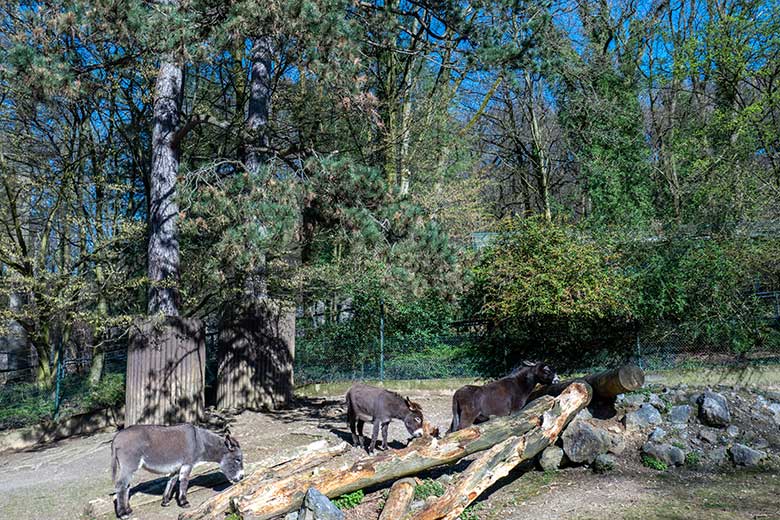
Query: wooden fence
point(166, 361)
point(256, 352)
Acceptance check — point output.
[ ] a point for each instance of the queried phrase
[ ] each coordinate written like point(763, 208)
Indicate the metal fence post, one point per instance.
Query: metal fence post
point(639, 352)
point(382, 340)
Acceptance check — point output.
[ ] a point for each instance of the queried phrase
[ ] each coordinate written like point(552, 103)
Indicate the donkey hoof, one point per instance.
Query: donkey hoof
point(166, 503)
point(185, 504)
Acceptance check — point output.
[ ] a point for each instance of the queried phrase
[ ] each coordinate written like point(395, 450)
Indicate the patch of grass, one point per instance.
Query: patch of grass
point(653, 463)
point(233, 516)
point(429, 487)
point(471, 512)
point(678, 444)
point(349, 500)
point(693, 458)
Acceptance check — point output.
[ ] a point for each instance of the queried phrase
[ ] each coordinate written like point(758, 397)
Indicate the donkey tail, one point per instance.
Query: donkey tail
point(455, 415)
point(114, 462)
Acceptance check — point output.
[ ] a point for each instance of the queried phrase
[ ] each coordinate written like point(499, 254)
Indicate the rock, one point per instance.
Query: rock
point(551, 458)
point(603, 463)
point(713, 409)
point(657, 435)
point(584, 415)
point(646, 416)
point(671, 455)
point(633, 400)
point(417, 505)
point(717, 456)
point(317, 506)
point(732, 431)
point(760, 443)
point(618, 444)
point(445, 478)
point(583, 442)
point(742, 455)
point(292, 515)
point(774, 408)
point(709, 436)
point(658, 403)
point(680, 414)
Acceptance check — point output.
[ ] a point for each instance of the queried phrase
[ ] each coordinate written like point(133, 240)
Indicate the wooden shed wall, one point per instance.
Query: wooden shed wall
point(166, 362)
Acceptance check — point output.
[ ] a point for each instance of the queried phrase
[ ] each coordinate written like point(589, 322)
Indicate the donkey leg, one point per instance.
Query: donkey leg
point(374, 435)
point(184, 481)
point(361, 438)
point(384, 435)
point(123, 498)
point(166, 500)
point(351, 422)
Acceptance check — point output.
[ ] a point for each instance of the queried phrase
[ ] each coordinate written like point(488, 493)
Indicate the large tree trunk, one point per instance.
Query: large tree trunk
point(606, 387)
point(283, 495)
point(313, 455)
point(163, 208)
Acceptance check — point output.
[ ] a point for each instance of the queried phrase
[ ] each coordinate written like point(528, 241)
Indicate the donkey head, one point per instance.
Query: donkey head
point(414, 419)
point(232, 462)
point(543, 373)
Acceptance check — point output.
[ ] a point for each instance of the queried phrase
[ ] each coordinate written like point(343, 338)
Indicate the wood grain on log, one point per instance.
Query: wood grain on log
point(498, 461)
point(605, 385)
point(401, 495)
point(285, 494)
point(313, 455)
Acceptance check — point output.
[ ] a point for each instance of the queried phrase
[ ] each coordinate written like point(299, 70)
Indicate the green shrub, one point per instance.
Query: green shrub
point(429, 487)
point(654, 463)
point(692, 458)
point(349, 500)
point(470, 513)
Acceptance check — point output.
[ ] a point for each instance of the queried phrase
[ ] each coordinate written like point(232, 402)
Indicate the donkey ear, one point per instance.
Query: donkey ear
point(230, 443)
point(408, 401)
point(528, 363)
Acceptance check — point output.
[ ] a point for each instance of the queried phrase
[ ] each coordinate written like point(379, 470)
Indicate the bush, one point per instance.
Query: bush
point(428, 488)
point(349, 500)
point(654, 463)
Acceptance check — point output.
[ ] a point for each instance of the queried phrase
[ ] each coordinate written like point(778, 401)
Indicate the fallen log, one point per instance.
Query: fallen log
point(397, 503)
point(606, 387)
point(203, 479)
point(498, 461)
point(285, 494)
point(315, 454)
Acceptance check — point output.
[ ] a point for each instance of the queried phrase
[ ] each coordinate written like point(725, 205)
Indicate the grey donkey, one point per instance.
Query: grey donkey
point(169, 450)
point(368, 403)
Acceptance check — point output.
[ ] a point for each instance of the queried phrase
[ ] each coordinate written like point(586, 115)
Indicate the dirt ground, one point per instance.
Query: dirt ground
point(59, 481)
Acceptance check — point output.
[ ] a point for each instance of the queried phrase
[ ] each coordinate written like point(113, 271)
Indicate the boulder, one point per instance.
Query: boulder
point(774, 409)
point(603, 463)
point(680, 414)
point(671, 455)
point(584, 415)
point(646, 416)
point(632, 400)
point(657, 402)
point(732, 431)
point(657, 435)
point(709, 436)
point(551, 458)
point(317, 506)
point(713, 409)
point(742, 455)
point(583, 442)
point(717, 456)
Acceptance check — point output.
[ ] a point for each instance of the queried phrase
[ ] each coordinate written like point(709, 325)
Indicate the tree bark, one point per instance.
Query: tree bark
point(399, 499)
point(282, 495)
point(497, 462)
point(606, 387)
point(163, 209)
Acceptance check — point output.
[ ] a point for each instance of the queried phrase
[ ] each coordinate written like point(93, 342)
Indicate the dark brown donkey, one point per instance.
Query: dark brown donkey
point(474, 404)
point(380, 406)
point(169, 450)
